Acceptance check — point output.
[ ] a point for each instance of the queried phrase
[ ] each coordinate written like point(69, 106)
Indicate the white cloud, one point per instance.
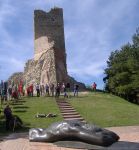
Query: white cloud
point(11, 63)
point(95, 69)
point(9, 66)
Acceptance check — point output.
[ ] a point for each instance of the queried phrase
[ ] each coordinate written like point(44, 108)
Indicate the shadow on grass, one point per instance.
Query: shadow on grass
point(20, 111)
point(21, 101)
point(17, 104)
point(20, 107)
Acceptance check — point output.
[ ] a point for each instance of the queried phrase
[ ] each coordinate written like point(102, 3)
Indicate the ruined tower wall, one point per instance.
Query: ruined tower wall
point(49, 45)
point(48, 31)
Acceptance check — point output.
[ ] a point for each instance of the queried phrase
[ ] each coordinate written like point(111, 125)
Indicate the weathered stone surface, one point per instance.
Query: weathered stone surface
point(49, 64)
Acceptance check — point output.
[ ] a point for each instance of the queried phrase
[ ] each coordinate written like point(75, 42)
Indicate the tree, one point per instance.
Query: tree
point(122, 72)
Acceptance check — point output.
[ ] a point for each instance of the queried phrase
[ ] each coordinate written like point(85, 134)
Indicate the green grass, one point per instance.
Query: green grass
point(106, 110)
point(27, 108)
point(101, 109)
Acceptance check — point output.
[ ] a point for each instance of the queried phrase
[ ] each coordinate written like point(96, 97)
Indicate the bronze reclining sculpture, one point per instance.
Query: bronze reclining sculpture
point(74, 130)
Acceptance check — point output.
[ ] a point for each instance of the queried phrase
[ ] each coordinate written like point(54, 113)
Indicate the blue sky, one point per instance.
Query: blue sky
point(93, 28)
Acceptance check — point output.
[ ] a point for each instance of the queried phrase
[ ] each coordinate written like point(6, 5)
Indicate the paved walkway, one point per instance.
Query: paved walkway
point(19, 141)
point(128, 133)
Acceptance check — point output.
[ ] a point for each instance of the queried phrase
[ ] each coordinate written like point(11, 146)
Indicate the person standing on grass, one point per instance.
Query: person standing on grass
point(9, 91)
point(64, 89)
point(5, 89)
point(94, 86)
point(20, 91)
point(68, 89)
point(52, 89)
point(47, 89)
point(28, 91)
point(8, 116)
point(38, 89)
point(76, 89)
point(31, 90)
point(57, 94)
point(2, 97)
point(14, 92)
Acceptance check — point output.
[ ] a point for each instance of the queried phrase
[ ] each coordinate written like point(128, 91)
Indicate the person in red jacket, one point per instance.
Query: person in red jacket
point(94, 86)
point(20, 90)
point(31, 90)
point(28, 91)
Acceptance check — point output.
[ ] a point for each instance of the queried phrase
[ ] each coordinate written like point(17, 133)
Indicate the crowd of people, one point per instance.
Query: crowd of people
point(52, 90)
point(10, 90)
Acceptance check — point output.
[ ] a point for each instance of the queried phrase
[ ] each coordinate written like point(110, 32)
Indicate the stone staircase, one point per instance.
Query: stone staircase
point(67, 111)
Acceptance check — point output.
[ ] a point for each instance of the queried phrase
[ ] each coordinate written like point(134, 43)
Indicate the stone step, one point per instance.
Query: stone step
point(68, 108)
point(65, 107)
point(62, 102)
point(72, 116)
point(67, 111)
point(70, 113)
point(80, 119)
point(65, 103)
point(62, 107)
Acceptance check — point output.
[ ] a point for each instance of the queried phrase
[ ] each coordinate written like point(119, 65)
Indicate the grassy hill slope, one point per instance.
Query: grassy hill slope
point(106, 110)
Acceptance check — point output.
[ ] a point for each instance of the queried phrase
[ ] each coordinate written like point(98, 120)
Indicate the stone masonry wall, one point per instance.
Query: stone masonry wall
point(49, 63)
point(49, 42)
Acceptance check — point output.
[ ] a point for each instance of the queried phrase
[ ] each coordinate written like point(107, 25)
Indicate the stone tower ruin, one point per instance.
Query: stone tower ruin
point(49, 40)
point(49, 62)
